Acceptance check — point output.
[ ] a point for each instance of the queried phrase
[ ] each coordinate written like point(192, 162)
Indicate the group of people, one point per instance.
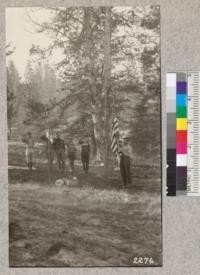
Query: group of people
point(58, 147)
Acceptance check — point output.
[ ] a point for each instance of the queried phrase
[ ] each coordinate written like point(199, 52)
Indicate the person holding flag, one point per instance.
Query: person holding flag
point(123, 151)
point(126, 155)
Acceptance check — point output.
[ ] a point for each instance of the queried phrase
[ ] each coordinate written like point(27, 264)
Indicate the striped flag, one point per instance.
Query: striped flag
point(114, 136)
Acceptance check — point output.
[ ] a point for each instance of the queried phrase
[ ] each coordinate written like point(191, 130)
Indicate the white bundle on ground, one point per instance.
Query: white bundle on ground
point(67, 181)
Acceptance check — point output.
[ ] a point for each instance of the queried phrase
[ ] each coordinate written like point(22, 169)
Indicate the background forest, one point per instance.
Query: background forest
point(108, 65)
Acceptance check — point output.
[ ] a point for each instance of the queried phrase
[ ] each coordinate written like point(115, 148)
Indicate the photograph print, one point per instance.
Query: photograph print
point(84, 136)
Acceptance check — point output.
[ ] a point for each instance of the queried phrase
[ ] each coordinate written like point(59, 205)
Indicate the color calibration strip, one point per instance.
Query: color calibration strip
point(183, 133)
point(171, 134)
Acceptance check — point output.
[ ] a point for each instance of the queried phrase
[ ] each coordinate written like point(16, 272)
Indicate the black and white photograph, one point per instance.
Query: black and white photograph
point(84, 136)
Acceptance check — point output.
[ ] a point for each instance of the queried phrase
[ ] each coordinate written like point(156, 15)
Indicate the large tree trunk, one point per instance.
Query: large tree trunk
point(88, 22)
point(96, 138)
point(106, 84)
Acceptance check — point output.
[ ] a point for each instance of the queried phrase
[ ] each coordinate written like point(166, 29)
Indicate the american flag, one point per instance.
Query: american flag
point(114, 136)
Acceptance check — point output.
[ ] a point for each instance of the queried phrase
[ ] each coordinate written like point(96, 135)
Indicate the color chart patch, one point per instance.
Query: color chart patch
point(171, 134)
point(183, 135)
point(181, 127)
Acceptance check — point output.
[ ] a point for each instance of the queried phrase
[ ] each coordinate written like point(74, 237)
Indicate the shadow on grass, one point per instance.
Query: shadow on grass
point(143, 179)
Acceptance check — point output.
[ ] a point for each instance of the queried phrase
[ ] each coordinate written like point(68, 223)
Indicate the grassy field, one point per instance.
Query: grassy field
point(92, 224)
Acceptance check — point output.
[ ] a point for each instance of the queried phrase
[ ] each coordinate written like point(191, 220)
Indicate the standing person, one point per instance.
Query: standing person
point(71, 153)
point(29, 150)
point(49, 149)
point(85, 153)
point(59, 147)
point(126, 155)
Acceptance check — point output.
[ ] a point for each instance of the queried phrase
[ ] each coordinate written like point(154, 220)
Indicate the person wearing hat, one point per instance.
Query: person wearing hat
point(29, 150)
point(126, 155)
point(59, 147)
point(85, 153)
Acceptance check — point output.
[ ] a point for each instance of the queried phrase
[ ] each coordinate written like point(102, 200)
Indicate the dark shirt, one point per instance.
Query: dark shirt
point(85, 146)
point(126, 150)
point(71, 149)
point(59, 144)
